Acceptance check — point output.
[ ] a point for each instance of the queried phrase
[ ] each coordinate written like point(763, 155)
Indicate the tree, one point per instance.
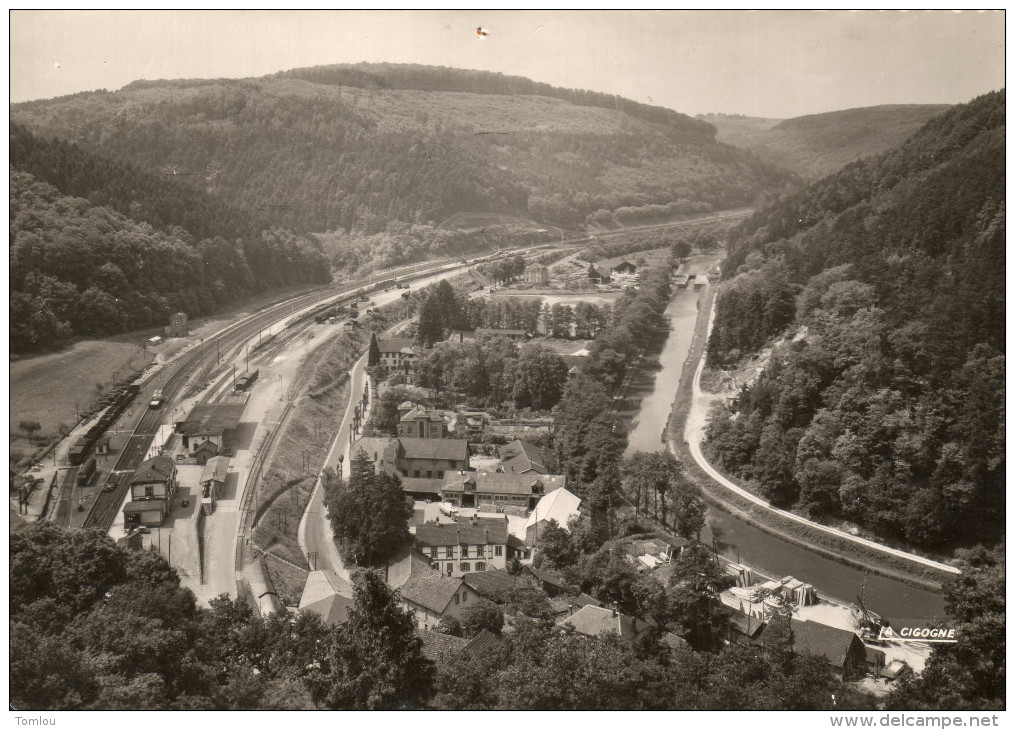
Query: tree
point(554, 548)
point(369, 514)
point(441, 312)
point(540, 378)
point(697, 581)
point(482, 615)
point(374, 661)
point(449, 625)
point(969, 674)
point(29, 427)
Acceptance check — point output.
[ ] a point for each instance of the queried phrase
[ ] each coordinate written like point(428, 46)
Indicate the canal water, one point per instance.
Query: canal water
point(734, 538)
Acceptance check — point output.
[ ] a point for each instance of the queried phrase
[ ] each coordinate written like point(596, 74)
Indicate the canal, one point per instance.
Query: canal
point(734, 538)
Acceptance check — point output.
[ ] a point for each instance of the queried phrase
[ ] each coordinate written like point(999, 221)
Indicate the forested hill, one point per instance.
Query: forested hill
point(357, 149)
point(159, 198)
point(819, 144)
point(884, 402)
point(80, 269)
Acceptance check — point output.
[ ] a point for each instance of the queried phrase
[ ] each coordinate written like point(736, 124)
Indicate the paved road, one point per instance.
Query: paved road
point(693, 435)
point(314, 536)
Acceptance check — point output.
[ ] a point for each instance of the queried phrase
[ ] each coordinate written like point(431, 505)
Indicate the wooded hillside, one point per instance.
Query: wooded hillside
point(358, 148)
point(884, 404)
point(819, 144)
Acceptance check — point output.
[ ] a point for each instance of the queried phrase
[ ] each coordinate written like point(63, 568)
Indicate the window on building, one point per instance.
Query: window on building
point(480, 566)
point(498, 550)
point(480, 551)
point(416, 473)
point(149, 491)
point(449, 552)
point(440, 475)
point(456, 599)
point(429, 474)
point(465, 551)
point(405, 472)
point(464, 567)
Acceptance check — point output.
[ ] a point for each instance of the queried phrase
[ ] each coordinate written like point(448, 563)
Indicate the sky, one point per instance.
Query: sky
point(776, 64)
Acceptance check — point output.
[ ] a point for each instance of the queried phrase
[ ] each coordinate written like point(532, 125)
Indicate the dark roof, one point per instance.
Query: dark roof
point(744, 624)
point(814, 639)
point(143, 505)
point(584, 599)
point(481, 643)
point(875, 656)
point(156, 469)
point(440, 648)
point(395, 344)
point(466, 532)
point(492, 583)
point(430, 589)
point(448, 449)
point(516, 543)
point(420, 413)
point(212, 418)
point(490, 482)
point(500, 332)
point(546, 576)
point(207, 446)
point(521, 456)
point(417, 485)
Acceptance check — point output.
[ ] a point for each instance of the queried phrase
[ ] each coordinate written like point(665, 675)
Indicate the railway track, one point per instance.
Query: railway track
point(200, 364)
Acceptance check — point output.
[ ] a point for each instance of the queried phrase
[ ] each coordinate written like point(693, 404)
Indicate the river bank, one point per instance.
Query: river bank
point(730, 535)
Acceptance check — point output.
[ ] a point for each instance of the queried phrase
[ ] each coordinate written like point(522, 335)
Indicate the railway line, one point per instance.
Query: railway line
point(198, 365)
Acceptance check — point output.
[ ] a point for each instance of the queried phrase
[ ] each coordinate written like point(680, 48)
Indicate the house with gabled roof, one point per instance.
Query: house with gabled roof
point(559, 506)
point(430, 596)
point(329, 595)
point(486, 489)
point(522, 457)
point(843, 650)
point(593, 620)
point(477, 544)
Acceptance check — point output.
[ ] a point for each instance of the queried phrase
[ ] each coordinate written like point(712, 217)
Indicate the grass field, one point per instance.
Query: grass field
point(48, 387)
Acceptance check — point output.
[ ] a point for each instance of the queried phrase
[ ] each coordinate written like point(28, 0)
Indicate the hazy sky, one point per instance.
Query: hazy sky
point(759, 63)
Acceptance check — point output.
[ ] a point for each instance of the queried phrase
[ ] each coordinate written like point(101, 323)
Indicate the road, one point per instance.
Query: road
point(694, 435)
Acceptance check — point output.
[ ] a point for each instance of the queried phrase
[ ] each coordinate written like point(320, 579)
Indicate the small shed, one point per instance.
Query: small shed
point(102, 445)
point(212, 479)
point(146, 512)
point(206, 451)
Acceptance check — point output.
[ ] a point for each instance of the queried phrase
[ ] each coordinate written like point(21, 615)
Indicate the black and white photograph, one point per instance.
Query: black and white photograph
point(507, 360)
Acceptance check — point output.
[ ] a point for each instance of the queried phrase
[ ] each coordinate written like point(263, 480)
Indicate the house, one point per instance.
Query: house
point(490, 490)
point(177, 325)
point(517, 549)
point(843, 650)
point(205, 452)
point(102, 445)
point(624, 267)
point(742, 628)
point(328, 595)
point(444, 649)
point(595, 276)
point(537, 274)
point(213, 422)
point(522, 457)
point(422, 423)
point(559, 505)
point(212, 479)
point(874, 661)
point(495, 585)
point(426, 458)
point(394, 354)
point(548, 581)
point(593, 620)
point(152, 488)
point(512, 334)
point(471, 545)
point(431, 595)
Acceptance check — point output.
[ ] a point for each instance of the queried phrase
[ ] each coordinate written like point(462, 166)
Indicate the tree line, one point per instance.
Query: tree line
point(884, 402)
